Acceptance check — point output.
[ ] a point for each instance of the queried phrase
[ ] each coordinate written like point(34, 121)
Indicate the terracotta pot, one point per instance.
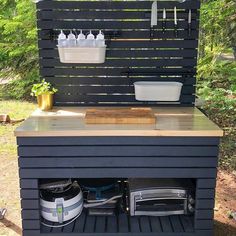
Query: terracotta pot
point(45, 102)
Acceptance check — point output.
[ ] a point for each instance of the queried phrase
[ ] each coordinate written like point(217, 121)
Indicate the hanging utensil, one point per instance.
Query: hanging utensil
point(189, 22)
point(153, 18)
point(175, 22)
point(164, 21)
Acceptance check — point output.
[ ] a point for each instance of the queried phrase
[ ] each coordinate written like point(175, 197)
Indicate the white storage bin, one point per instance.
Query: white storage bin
point(157, 91)
point(82, 54)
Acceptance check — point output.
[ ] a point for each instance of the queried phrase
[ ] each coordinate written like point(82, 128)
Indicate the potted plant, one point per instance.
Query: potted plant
point(44, 93)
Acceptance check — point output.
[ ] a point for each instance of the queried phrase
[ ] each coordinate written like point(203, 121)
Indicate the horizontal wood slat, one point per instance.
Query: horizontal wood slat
point(31, 224)
point(116, 141)
point(204, 214)
point(29, 193)
point(167, 44)
point(126, 62)
point(114, 5)
point(116, 81)
point(206, 183)
point(123, 173)
point(115, 98)
point(28, 183)
point(96, 25)
point(138, 34)
point(30, 214)
point(121, 162)
point(135, 151)
point(106, 71)
point(90, 14)
point(151, 53)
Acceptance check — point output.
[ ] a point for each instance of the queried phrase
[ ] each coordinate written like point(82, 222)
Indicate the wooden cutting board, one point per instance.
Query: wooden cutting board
point(120, 116)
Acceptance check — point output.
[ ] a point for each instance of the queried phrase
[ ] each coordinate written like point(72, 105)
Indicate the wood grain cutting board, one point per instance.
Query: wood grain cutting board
point(120, 116)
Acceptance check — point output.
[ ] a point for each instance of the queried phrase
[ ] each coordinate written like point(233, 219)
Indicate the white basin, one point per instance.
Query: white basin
point(157, 91)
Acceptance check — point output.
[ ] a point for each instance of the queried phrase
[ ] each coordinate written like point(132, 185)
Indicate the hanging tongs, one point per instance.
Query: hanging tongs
point(164, 21)
point(175, 22)
point(153, 19)
point(189, 22)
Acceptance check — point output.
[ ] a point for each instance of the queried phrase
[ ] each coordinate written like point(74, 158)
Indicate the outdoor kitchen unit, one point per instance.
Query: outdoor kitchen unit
point(109, 160)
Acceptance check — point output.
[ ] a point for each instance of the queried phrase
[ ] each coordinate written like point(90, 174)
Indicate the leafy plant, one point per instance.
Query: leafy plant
point(42, 88)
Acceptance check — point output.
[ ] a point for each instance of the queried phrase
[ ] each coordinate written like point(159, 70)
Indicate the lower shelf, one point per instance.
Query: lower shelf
point(123, 223)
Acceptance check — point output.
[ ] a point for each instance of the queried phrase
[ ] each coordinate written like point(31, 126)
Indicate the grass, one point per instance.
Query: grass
point(16, 110)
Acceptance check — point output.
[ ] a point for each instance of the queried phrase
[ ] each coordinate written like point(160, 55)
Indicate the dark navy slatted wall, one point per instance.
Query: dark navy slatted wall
point(131, 55)
point(140, 157)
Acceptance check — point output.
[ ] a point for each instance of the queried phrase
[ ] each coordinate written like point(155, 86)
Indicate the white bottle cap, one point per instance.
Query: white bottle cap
point(71, 36)
point(61, 36)
point(90, 36)
point(100, 36)
point(81, 35)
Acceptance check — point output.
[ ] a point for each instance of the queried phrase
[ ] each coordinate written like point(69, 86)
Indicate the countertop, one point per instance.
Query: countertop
point(69, 121)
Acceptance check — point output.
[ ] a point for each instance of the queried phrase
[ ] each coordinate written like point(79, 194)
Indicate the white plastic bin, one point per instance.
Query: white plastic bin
point(157, 91)
point(82, 54)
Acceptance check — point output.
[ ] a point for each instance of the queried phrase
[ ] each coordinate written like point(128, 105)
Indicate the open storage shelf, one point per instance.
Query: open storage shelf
point(124, 223)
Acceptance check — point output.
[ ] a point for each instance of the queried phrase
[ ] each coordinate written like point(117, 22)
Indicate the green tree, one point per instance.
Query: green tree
point(18, 45)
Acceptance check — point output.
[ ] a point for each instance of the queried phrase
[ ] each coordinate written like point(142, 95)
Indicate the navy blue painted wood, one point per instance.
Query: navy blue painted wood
point(116, 141)
point(131, 19)
point(187, 158)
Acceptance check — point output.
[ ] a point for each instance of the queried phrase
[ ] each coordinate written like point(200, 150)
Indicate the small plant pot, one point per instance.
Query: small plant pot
point(45, 102)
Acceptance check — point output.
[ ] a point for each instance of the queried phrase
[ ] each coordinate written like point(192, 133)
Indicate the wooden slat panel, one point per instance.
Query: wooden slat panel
point(89, 224)
point(134, 225)
point(112, 224)
point(100, 224)
point(176, 224)
point(206, 183)
point(30, 204)
point(204, 214)
point(31, 224)
point(114, 5)
point(118, 151)
point(168, 44)
point(123, 162)
point(68, 228)
point(118, 81)
point(83, 14)
point(123, 223)
point(29, 193)
point(189, 53)
point(125, 62)
point(145, 224)
point(204, 224)
point(205, 203)
point(187, 223)
point(156, 224)
point(116, 141)
point(130, 34)
point(110, 89)
point(125, 173)
point(165, 224)
point(206, 193)
point(121, 151)
point(130, 19)
point(29, 183)
point(79, 223)
point(30, 214)
point(106, 71)
point(96, 25)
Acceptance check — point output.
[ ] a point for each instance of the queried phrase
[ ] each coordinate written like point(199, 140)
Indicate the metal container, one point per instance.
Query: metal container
point(45, 102)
